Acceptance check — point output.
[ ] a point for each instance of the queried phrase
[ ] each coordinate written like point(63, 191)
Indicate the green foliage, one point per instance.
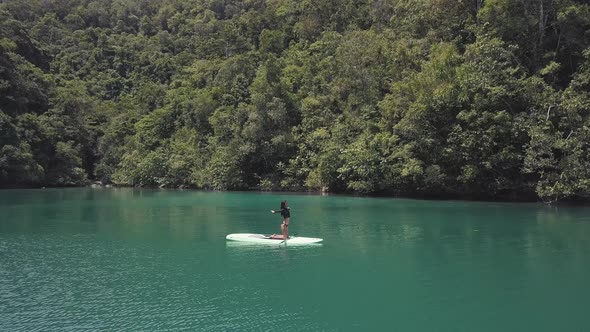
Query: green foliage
point(558, 153)
point(224, 171)
point(430, 97)
point(66, 165)
point(17, 165)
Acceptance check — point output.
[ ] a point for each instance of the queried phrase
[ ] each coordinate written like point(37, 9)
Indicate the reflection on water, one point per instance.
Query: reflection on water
point(264, 246)
point(127, 259)
point(358, 225)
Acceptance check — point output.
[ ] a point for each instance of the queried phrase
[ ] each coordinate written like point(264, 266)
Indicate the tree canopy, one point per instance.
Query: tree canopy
point(482, 99)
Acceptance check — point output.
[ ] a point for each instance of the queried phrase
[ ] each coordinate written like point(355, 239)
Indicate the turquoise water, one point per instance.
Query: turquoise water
point(131, 260)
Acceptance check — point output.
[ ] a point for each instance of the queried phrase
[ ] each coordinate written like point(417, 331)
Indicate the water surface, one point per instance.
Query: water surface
point(130, 260)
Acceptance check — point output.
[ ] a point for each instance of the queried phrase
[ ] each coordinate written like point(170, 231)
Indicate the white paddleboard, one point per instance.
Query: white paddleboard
point(264, 239)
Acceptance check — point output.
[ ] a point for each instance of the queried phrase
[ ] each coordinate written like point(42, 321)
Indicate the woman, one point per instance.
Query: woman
point(285, 212)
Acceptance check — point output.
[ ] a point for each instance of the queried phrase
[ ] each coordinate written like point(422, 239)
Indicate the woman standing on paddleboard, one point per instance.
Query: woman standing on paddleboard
point(285, 212)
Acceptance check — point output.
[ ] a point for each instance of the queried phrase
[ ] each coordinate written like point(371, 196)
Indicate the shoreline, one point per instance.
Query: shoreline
point(432, 197)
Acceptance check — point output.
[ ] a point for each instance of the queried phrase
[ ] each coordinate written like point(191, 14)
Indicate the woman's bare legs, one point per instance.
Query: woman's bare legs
point(284, 231)
point(285, 228)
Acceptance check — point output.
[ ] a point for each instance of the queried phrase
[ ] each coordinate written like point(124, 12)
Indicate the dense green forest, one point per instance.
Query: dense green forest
point(455, 98)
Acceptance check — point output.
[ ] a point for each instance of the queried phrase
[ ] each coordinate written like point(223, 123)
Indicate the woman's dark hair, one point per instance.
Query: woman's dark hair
point(283, 204)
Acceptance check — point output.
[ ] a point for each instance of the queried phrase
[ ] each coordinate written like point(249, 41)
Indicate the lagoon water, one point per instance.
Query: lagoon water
point(157, 260)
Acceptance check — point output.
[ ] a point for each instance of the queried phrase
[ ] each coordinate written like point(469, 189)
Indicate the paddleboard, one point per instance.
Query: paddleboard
point(264, 239)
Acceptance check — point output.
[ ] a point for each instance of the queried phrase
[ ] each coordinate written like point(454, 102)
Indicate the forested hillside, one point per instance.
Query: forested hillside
point(478, 98)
